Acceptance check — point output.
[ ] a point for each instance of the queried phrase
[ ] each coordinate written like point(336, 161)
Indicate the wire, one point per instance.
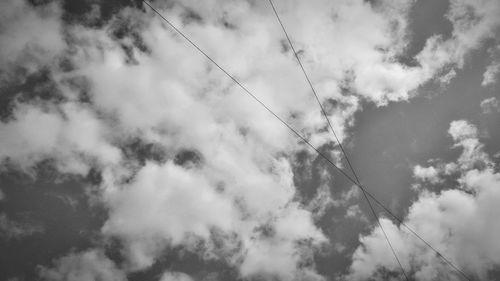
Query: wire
point(336, 138)
point(295, 132)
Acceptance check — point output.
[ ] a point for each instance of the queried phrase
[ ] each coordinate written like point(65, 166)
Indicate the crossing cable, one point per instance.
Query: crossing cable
point(358, 183)
point(337, 139)
point(326, 158)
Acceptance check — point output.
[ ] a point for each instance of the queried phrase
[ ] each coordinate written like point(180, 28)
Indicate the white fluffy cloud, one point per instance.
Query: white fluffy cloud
point(71, 134)
point(460, 222)
point(465, 136)
point(175, 276)
point(164, 205)
point(490, 76)
point(30, 37)
point(430, 174)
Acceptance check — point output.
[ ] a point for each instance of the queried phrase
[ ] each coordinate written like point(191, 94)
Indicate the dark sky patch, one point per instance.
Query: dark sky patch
point(191, 17)
point(59, 205)
point(285, 46)
point(188, 158)
point(35, 87)
point(127, 31)
point(95, 13)
point(141, 151)
point(337, 227)
point(179, 259)
point(306, 177)
point(335, 259)
point(426, 20)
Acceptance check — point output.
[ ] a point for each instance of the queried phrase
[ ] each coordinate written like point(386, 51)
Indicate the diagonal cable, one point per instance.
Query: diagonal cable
point(296, 133)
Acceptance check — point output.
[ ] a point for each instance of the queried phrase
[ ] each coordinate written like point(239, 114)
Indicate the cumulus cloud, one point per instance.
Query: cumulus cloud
point(30, 37)
point(430, 174)
point(71, 134)
point(164, 205)
point(465, 136)
point(175, 276)
point(459, 222)
point(493, 69)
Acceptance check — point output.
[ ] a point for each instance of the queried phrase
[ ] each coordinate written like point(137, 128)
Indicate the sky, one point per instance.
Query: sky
point(125, 154)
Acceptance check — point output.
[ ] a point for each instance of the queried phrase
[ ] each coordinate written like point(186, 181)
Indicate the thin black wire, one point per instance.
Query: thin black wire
point(299, 135)
point(336, 138)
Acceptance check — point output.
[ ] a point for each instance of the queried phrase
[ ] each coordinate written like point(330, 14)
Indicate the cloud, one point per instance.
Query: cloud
point(89, 265)
point(459, 222)
point(462, 130)
point(493, 69)
point(265, 250)
point(490, 105)
point(375, 253)
point(430, 174)
point(30, 37)
point(354, 212)
point(175, 276)
point(465, 136)
point(72, 135)
point(473, 22)
point(164, 205)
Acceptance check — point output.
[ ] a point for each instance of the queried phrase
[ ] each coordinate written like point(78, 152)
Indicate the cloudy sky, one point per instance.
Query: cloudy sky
point(125, 154)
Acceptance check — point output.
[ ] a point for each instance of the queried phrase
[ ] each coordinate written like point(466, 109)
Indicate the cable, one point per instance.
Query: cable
point(336, 138)
point(292, 129)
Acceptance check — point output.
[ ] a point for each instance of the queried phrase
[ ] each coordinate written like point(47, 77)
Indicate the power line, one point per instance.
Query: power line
point(337, 139)
point(295, 132)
